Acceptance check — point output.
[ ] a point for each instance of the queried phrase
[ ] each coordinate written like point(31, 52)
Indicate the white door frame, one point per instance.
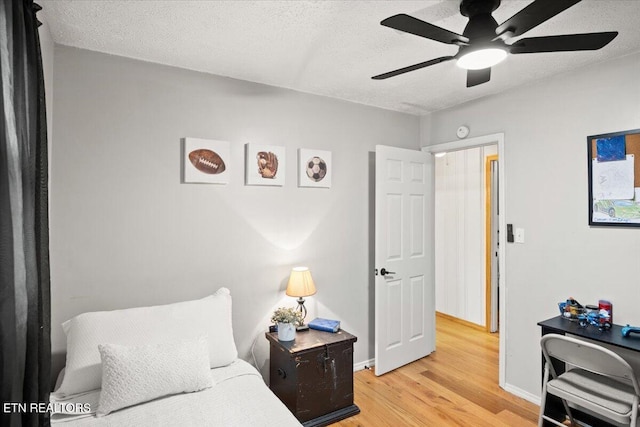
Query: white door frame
point(463, 144)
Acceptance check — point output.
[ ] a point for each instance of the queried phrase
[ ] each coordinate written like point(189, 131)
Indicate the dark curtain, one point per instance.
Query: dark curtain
point(25, 344)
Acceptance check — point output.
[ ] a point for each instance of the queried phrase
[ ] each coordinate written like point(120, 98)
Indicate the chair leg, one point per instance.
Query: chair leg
point(543, 399)
point(540, 418)
point(568, 410)
point(634, 412)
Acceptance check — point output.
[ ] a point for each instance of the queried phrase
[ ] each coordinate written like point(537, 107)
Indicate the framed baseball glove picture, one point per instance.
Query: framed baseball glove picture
point(264, 164)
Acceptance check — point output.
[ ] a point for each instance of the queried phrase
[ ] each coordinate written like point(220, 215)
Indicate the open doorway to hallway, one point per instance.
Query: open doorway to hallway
point(482, 141)
point(466, 236)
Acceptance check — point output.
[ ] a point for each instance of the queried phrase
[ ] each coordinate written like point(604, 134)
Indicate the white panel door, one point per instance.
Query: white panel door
point(404, 289)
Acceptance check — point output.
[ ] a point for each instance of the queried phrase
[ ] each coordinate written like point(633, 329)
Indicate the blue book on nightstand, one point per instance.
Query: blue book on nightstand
point(326, 325)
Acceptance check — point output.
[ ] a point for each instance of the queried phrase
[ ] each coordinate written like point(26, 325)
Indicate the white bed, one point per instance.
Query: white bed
point(238, 398)
point(172, 365)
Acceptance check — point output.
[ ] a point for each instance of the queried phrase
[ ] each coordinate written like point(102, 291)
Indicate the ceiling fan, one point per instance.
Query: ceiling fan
point(482, 44)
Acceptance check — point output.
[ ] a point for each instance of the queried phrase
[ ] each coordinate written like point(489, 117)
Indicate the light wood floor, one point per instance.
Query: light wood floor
point(457, 385)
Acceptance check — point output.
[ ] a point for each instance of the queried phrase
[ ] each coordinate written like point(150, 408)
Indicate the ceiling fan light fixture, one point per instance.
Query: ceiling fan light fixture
point(481, 58)
point(485, 43)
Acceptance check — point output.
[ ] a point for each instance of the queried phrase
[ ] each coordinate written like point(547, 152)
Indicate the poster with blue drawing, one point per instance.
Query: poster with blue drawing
point(615, 179)
point(610, 149)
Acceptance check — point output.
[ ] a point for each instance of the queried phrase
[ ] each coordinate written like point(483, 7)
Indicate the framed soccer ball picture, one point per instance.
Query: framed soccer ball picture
point(314, 168)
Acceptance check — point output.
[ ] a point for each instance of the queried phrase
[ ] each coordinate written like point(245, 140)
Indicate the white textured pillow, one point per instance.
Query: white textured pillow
point(210, 317)
point(132, 375)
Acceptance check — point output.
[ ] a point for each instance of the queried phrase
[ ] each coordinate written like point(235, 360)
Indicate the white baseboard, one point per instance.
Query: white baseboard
point(522, 393)
point(363, 365)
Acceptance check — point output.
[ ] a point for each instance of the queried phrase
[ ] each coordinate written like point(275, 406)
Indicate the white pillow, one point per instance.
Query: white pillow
point(132, 375)
point(210, 317)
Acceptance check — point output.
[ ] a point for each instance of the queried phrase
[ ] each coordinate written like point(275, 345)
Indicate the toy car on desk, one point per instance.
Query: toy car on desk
point(626, 330)
point(601, 319)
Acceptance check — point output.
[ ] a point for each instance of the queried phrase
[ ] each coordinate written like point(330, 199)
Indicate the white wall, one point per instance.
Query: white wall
point(460, 233)
point(545, 163)
point(125, 232)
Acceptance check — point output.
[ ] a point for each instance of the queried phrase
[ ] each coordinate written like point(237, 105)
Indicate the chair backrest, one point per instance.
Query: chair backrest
point(588, 356)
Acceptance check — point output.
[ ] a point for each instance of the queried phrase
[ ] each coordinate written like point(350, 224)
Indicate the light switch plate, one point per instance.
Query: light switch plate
point(519, 237)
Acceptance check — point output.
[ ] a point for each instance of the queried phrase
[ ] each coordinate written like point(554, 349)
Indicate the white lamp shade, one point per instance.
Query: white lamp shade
point(300, 283)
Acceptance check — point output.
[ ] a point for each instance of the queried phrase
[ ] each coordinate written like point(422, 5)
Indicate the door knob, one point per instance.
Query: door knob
point(384, 272)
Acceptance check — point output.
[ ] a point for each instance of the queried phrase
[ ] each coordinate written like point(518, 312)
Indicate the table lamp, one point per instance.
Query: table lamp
point(301, 285)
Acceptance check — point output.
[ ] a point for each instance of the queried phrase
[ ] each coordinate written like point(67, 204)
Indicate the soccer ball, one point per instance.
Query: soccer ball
point(316, 169)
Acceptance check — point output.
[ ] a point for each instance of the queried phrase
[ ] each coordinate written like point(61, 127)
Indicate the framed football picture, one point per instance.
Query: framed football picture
point(264, 164)
point(314, 168)
point(206, 161)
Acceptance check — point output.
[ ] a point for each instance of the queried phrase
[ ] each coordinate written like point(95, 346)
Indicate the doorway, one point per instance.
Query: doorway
point(463, 231)
point(461, 145)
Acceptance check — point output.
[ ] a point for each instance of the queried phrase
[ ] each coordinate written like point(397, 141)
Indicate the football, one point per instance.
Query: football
point(207, 161)
point(316, 169)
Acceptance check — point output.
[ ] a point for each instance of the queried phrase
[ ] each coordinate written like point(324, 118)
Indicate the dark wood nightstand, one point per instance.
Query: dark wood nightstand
point(313, 375)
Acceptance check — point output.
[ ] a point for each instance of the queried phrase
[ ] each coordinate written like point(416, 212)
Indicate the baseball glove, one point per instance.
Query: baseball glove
point(267, 164)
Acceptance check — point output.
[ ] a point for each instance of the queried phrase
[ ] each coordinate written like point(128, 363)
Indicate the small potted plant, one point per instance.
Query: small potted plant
point(287, 319)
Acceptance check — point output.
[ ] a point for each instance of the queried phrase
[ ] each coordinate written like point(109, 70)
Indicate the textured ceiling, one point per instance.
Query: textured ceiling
point(329, 48)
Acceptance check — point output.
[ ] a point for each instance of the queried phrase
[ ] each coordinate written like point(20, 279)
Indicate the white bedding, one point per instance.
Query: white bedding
point(238, 398)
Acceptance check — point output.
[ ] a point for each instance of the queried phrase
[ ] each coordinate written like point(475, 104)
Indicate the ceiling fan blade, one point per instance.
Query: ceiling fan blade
point(564, 43)
point(477, 77)
point(409, 24)
point(533, 15)
point(412, 68)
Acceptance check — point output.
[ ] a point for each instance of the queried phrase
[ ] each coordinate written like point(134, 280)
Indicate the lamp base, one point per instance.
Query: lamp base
point(303, 313)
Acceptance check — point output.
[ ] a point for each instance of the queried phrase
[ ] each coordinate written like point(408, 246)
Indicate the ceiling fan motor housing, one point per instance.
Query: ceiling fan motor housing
point(481, 26)
point(472, 8)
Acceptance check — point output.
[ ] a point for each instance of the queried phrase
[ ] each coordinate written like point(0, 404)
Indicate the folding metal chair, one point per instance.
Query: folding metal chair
point(601, 383)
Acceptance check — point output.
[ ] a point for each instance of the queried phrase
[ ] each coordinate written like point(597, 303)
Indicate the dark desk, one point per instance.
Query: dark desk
point(613, 336)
